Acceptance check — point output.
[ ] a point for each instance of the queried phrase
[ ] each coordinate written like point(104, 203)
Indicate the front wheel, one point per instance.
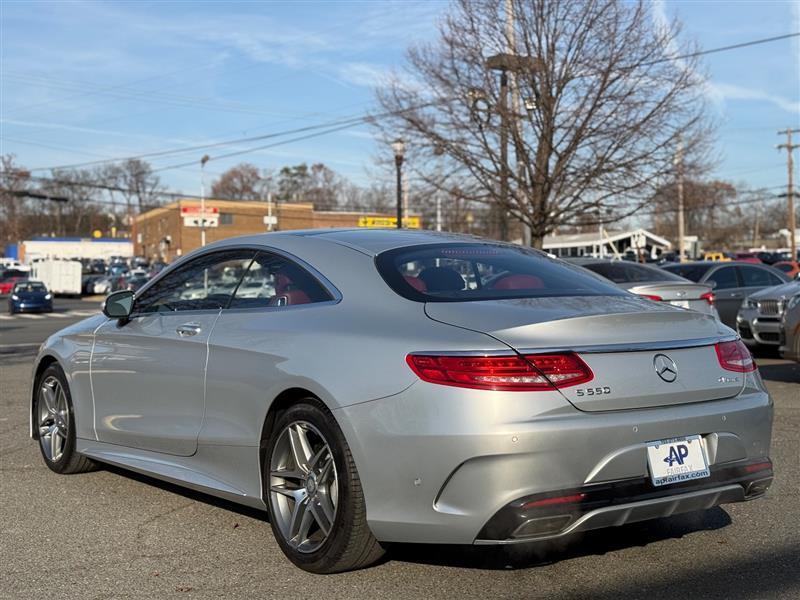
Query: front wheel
point(55, 420)
point(316, 505)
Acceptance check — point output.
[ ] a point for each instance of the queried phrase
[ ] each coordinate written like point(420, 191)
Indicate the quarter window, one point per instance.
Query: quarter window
point(273, 280)
point(755, 277)
point(205, 283)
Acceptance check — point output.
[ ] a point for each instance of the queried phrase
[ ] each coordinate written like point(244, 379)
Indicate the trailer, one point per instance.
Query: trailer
point(61, 277)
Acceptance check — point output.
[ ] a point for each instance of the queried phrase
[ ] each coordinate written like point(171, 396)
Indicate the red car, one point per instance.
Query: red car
point(6, 285)
point(748, 257)
point(788, 267)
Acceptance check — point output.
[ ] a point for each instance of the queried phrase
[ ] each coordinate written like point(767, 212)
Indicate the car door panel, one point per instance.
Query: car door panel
point(727, 292)
point(148, 381)
point(148, 372)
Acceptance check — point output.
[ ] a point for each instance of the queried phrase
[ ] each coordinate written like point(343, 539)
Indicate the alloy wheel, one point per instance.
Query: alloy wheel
point(53, 418)
point(304, 486)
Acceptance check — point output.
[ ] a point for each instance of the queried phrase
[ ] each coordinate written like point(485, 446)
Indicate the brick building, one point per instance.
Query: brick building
point(172, 230)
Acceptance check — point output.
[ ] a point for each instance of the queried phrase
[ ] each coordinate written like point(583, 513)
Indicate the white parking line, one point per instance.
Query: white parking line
point(31, 316)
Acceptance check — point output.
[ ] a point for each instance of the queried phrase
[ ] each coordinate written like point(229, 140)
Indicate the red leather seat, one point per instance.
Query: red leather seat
point(416, 283)
point(286, 293)
point(518, 282)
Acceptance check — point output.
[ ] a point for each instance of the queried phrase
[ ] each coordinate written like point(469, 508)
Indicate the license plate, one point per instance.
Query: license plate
point(676, 460)
point(680, 303)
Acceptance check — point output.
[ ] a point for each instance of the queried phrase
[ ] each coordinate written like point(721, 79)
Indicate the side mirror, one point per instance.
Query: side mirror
point(118, 305)
point(712, 283)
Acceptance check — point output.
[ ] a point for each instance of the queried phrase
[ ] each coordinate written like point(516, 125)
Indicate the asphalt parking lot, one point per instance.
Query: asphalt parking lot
point(112, 534)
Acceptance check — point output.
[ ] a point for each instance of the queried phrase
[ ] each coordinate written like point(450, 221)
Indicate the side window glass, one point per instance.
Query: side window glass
point(725, 278)
point(755, 277)
point(206, 283)
point(775, 280)
point(273, 280)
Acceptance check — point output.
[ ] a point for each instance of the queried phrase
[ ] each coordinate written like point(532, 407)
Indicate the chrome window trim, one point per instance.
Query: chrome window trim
point(336, 295)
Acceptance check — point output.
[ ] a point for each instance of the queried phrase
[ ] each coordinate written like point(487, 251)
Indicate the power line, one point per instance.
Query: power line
point(721, 49)
point(330, 125)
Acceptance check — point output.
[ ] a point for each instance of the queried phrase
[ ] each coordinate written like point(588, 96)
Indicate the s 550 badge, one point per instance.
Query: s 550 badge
point(595, 391)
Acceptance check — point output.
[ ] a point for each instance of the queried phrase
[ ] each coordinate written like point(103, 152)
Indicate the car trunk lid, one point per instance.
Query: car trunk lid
point(621, 338)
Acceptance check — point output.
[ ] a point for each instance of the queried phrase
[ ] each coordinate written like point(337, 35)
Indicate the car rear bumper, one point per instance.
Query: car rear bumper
point(617, 503)
point(438, 464)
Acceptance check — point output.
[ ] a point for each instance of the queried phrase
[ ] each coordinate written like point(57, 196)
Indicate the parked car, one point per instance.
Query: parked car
point(792, 269)
point(759, 321)
point(732, 282)
point(767, 257)
point(653, 283)
point(88, 282)
point(748, 257)
point(790, 330)
point(30, 296)
point(135, 282)
point(716, 257)
point(380, 396)
point(111, 283)
point(7, 283)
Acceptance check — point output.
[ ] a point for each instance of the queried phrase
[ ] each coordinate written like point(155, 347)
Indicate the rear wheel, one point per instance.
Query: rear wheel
point(55, 420)
point(316, 506)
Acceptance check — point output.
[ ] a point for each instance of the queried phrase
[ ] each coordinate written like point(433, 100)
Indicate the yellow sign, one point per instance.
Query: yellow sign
point(408, 222)
point(97, 234)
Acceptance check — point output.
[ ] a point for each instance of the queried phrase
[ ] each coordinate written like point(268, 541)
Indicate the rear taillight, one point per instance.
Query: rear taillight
point(708, 297)
point(533, 372)
point(734, 356)
point(652, 297)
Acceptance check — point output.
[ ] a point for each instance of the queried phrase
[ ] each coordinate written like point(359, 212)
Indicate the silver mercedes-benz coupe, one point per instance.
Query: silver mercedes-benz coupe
point(369, 386)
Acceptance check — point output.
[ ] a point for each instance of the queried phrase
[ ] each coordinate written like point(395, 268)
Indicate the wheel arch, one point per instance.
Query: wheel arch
point(281, 402)
point(42, 365)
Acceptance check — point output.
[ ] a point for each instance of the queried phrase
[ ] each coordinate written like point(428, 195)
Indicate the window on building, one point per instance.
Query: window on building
point(226, 218)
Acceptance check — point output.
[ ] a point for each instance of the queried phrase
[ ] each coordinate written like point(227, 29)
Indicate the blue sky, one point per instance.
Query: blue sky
point(92, 80)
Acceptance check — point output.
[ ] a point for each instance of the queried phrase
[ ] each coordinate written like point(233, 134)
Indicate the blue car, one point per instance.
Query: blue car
point(30, 296)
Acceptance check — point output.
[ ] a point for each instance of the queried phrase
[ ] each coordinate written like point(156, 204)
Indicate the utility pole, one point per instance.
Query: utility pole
point(203, 162)
point(438, 211)
point(790, 187)
point(679, 175)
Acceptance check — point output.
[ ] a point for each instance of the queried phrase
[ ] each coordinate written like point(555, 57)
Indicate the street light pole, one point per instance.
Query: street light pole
point(789, 146)
point(399, 148)
point(203, 162)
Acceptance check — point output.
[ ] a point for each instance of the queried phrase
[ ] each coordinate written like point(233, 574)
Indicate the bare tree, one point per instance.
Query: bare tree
point(240, 182)
point(13, 179)
point(603, 103)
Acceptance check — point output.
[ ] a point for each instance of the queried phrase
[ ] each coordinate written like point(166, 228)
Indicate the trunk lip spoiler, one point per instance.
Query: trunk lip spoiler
point(593, 348)
point(635, 346)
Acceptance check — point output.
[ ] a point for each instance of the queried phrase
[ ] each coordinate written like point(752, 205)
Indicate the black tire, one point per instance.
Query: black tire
point(69, 461)
point(350, 544)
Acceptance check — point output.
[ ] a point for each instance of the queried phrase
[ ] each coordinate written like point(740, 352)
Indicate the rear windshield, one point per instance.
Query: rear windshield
point(690, 272)
point(466, 272)
point(626, 272)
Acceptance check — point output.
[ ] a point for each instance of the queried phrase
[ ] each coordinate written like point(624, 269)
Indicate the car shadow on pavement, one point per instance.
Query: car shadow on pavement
point(787, 372)
point(536, 554)
point(241, 509)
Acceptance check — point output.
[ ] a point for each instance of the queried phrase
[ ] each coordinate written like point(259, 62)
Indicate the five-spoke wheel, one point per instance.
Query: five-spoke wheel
point(304, 487)
point(316, 505)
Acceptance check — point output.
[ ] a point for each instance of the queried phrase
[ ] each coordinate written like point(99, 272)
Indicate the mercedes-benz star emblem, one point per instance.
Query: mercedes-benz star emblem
point(665, 367)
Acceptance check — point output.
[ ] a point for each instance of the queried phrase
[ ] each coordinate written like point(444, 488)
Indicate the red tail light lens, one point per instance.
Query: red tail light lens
point(708, 297)
point(505, 373)
point(734, 356)
point(652, 297)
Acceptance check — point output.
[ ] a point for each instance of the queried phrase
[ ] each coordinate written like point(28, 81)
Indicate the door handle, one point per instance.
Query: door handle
point(736, 295)
point(188, 329)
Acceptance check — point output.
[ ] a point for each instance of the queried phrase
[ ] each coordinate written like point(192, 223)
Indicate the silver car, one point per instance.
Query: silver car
point(405, 386)
point(653, 283)
point(790, 329)
point(760, 316)
point(732, 282)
